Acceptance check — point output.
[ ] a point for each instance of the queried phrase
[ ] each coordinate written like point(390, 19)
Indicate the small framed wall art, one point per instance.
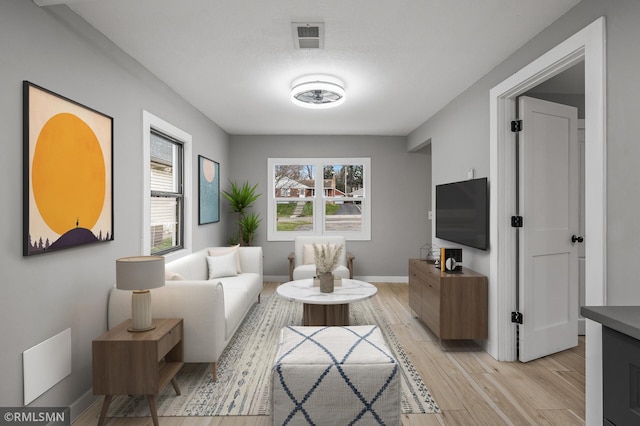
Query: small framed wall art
point(209, 190)
point(67, 172)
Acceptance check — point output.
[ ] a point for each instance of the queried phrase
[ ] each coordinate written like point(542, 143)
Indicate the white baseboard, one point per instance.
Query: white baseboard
point(370, 279)
point(83, 403)
point(383, 279)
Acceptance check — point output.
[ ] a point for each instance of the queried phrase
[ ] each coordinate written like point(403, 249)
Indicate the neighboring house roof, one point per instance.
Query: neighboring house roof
point(288, 183)
point(357, 193)
point(311, 183)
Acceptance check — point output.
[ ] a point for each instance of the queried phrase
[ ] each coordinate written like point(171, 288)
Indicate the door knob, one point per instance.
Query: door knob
point(575, 238)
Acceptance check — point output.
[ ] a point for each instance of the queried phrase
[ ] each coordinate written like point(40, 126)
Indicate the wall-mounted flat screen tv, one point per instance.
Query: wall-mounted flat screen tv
point(462, 212)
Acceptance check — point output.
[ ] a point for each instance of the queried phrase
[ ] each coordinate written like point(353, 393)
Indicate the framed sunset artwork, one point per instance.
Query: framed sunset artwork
point(68, 173)
point(209, 189)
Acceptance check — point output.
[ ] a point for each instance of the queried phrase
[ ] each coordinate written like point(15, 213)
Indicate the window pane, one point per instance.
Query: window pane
point(343, 183)
point(343, 215)
point(294, 216)
point(343, 180)
point(165, 178)
point(165, 214)
point(165, 161)
point(294, 181)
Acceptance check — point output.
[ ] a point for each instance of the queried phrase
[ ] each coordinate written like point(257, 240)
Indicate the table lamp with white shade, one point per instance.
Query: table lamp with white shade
point(140, 274)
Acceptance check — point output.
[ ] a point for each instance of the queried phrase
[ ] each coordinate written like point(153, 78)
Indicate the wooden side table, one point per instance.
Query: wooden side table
point(137, 363)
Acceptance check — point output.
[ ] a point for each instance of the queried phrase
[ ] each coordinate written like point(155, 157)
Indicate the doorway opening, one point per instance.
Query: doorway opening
point(587, 45)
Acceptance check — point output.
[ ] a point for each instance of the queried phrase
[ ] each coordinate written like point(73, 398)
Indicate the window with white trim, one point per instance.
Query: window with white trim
point(319, 196)
point(167, 197)
point(167, 206)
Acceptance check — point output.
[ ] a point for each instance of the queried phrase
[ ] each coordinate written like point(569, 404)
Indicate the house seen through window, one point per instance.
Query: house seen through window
point(167, 198)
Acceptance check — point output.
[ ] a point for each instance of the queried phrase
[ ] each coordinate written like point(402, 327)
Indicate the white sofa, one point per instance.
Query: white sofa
point(212, 309)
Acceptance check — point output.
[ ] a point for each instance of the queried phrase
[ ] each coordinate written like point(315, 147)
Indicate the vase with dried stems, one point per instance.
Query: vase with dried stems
point(327, 257)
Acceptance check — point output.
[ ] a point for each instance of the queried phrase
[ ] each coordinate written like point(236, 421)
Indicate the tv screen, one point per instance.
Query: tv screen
point(462, 213)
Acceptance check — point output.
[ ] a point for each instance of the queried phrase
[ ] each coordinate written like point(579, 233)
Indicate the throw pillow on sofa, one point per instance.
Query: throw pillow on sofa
point(223, 266)
point(219, 251)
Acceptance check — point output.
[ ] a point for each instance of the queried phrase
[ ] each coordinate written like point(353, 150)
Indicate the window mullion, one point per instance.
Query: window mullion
point(166, 194)
point(319, 197)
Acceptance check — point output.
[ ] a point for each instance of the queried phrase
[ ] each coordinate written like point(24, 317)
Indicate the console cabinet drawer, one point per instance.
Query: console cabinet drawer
point(452, 305)
point(415, 295)
point(431, 308)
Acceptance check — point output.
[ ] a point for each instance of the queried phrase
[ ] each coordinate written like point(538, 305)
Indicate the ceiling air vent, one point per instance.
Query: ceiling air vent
point(308, 35)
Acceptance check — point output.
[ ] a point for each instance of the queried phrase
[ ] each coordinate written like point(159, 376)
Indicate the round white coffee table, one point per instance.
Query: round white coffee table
point(326, 308)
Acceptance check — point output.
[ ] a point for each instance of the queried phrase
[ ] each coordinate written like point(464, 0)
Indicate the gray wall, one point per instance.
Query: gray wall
point(456, 146)
point(45, 294)
point(401, 195)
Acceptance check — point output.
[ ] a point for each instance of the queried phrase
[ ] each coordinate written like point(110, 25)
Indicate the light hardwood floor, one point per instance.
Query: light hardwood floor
point(470, 386)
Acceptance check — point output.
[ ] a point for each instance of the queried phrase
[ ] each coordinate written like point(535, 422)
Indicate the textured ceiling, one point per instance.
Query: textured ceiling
point(401, 60)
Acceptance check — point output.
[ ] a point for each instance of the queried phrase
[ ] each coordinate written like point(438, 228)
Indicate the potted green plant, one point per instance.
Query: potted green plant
point(241, 198)
point(249, 224)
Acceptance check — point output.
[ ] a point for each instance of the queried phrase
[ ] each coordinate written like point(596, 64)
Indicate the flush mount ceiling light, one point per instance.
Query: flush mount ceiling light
point(317, 92)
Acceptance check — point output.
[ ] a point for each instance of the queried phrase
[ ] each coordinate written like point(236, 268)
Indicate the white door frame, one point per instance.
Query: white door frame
point(588, 45)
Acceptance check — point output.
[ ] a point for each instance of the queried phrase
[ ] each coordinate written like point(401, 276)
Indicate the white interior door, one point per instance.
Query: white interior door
point(582, 260)
point(549, 206)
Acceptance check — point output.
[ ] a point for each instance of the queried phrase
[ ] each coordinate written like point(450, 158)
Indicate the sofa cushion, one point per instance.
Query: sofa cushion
point(240, 292)
point(223, 266)
point(235, 306)
point(218, 251)
point(249, 281)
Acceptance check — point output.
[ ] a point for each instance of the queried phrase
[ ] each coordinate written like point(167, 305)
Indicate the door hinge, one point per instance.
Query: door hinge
point(516, 221)
point(516, 317)
point(516, 126)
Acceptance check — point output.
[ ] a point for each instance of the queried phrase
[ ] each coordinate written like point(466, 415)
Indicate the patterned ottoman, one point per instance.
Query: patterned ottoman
point(335, 376)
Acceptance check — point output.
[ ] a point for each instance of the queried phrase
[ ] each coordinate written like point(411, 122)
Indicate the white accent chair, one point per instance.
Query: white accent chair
point(301, 266)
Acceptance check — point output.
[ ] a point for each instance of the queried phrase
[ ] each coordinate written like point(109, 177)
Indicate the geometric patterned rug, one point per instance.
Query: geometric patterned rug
point(244, 369)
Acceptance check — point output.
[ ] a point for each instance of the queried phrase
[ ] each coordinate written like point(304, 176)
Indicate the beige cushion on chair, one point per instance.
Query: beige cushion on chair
point(309, 255)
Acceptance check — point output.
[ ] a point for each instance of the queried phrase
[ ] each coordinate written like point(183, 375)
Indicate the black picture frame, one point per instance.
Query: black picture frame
point(67, 173)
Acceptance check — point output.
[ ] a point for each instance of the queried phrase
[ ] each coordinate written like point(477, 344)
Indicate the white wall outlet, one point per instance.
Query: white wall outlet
point(471, 173)
point(430, 215)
